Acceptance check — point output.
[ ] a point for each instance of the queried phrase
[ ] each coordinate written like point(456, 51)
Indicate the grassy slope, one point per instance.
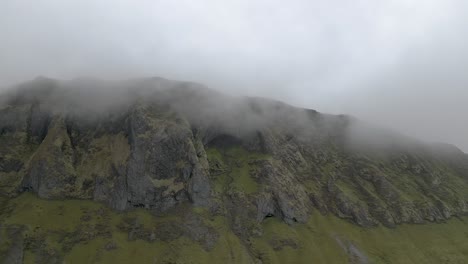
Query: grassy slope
point(49, 221)
point(233, 166)
point(313, 242)
point(430, 243)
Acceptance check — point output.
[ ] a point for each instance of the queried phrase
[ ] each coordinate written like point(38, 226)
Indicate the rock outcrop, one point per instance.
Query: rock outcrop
point(156, 144)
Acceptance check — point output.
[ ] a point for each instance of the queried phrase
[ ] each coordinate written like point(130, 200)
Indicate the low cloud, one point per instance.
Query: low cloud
point(396, 63)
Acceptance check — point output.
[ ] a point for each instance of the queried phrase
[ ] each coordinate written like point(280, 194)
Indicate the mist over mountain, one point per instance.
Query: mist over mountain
point(399, 64)
point(188, 155)
point(247, 131)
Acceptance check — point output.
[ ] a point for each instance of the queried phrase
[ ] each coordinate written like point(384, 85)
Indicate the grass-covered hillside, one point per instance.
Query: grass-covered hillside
point(77, 231)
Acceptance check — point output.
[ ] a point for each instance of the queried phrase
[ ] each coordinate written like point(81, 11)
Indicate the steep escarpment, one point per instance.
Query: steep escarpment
point(168, 142)
point(167, 146)
point(144, 157)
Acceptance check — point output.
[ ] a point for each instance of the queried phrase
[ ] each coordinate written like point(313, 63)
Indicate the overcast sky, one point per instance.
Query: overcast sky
point(400, 63)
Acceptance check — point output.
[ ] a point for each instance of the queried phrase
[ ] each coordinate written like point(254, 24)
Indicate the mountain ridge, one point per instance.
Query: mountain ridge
point(162, 145)
point(207, 112)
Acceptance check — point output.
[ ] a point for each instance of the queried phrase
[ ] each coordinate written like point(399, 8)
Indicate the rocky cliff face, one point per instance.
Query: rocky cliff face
point(157, 144)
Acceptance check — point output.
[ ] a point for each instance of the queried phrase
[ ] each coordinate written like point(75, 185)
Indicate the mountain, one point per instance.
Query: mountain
point(163, 171)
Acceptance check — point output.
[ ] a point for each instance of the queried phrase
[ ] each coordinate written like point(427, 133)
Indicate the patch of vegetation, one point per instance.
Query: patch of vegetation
point(312, 246)
point(233, 167)
point(429, 243)
point(349, 190)
point(101, 155)
point(170, 184)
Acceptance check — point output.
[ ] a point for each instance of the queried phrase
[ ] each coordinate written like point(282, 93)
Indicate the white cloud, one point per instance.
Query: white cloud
point(337, 56)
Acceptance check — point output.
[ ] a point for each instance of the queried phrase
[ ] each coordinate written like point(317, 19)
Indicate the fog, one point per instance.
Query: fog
point(401, 63)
